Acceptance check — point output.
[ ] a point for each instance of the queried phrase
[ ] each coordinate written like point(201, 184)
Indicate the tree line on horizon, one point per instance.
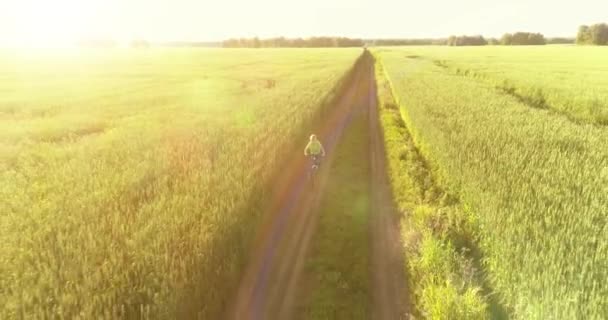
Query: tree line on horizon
point(518, 38)
point(282, 42)
point(596, 34)
point(508, 39)
point(406, 42)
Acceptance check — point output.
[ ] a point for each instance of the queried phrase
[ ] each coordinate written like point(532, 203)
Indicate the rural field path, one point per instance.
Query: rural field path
point(273, 286)
point(390, 299)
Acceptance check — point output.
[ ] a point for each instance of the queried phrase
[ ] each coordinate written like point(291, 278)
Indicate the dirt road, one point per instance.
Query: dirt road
point(389, 286)
point(272, 282)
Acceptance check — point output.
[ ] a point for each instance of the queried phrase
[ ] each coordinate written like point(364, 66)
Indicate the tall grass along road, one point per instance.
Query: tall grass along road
point(390, 292)
point(132, 181)
point(531, 182)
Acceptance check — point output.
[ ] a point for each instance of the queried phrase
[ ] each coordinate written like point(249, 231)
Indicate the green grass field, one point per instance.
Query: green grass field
point(570, 80)
point(132, 180)
point(443, 278)
point(531, 182)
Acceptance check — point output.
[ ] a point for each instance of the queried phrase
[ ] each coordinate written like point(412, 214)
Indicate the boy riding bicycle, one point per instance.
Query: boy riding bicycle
point(315, 150)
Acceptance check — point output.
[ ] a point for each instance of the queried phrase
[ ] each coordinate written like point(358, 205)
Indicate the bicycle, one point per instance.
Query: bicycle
point(314, 167)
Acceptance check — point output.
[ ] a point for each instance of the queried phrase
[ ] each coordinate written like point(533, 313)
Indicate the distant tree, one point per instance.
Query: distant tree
point(523, 39)
point(347, 42)
point(493, 41)
point(230, 43)
point(280, 42)
point(406, 42)
point(561, 40)
point(596, 34)
point(583, 36)
point(297, 43)
point(599, 34)
point(466, 41)
point(314, 42)
point(506, 39)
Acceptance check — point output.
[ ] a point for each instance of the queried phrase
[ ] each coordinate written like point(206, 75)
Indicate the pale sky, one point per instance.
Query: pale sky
point(40, 22)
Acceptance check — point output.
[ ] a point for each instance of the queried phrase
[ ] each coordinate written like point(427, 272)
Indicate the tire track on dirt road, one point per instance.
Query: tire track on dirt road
point(271, 287)
point(389, 292)
point(356, 267)
point(270, 283)
point(336, 283)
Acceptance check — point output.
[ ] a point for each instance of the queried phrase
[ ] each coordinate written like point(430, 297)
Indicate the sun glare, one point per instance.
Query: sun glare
point(47, 23)
point(58, 23)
